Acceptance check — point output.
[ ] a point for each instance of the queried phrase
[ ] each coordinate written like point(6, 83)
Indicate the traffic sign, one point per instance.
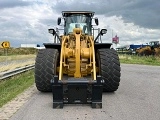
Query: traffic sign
point(5, 44)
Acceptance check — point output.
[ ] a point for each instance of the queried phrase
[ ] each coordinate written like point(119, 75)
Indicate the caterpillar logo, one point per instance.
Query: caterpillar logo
point(5, 44)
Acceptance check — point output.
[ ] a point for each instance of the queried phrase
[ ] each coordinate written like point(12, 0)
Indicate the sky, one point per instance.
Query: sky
point(28, 21)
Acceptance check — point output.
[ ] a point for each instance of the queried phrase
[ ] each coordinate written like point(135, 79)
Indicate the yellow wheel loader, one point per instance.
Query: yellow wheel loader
point(77, 67)
point(152, 49)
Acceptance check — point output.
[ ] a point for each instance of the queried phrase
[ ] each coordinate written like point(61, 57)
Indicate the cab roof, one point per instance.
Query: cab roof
point(154, 41)
point(68, 13)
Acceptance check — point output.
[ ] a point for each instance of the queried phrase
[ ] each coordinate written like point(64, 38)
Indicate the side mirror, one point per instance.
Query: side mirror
point(52, 31)
point(103, 31)
point(96, 21)
point(59, 21)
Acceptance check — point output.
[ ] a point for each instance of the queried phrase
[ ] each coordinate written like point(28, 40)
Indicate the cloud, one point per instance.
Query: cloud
point(29, 24)
point(13, 3)
point(27, 21)
point(141, 12)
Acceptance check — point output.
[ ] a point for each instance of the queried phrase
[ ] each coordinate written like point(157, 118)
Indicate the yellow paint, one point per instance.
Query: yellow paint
point(77, 58)
point(5, 44)
point(61, 58)
point(93, 58)
point(77, 32)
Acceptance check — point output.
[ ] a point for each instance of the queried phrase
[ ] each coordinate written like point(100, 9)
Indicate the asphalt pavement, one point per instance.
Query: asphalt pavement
point(138, 98)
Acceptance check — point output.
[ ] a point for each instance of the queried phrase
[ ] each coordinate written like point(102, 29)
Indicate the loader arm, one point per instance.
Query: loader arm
point(79, 68)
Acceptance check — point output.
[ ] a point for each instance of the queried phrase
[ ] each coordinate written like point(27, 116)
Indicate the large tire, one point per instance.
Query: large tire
point(45, 68)
point(109, 69)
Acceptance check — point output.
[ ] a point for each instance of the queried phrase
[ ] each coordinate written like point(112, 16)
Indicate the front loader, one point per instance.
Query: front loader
point(77, 67)
point(153, 48)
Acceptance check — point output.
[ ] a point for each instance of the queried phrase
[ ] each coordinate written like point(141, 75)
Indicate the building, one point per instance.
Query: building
point(30, 45)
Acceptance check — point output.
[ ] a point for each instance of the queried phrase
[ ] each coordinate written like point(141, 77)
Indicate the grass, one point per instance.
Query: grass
point(18, 51)
point(144, 60)
point(29, 60)
point(10, 88)
point(16, 57)
point(15, 65)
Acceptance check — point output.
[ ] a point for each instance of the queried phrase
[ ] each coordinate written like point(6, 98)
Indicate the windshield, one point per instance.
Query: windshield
point(153, 43)
point(78, 21)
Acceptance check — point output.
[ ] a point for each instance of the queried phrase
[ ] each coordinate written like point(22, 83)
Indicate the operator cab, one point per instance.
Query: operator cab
point(77, 19)
point(154, 43)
